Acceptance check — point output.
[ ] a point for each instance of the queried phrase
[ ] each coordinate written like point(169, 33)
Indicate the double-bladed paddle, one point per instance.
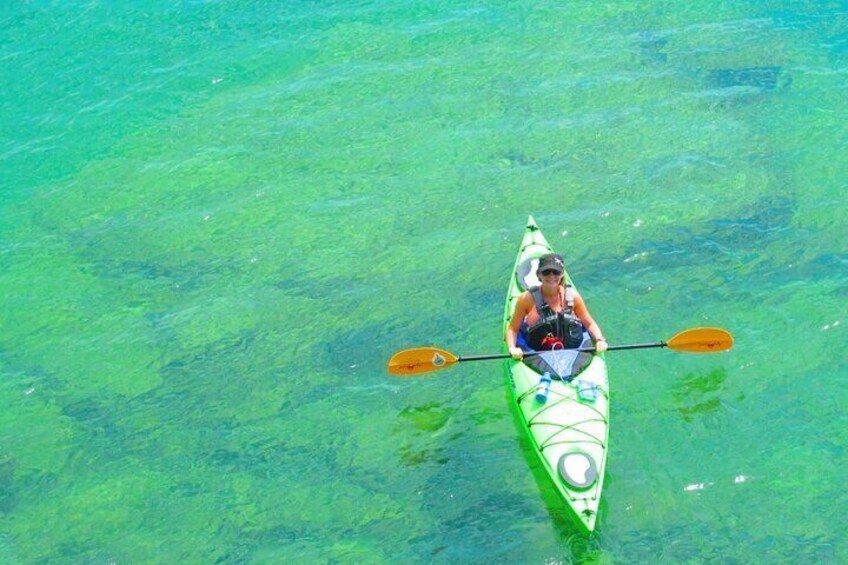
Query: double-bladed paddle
point(425, 359)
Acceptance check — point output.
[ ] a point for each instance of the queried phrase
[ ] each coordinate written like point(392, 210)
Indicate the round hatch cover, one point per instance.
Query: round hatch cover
point(578, 469)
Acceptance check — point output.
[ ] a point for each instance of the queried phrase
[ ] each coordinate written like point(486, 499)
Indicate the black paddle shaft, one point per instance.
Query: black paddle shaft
point(631, 346)
point(584, 349)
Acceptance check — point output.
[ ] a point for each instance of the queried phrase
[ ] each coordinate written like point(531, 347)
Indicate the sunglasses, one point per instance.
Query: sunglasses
point(547, 272)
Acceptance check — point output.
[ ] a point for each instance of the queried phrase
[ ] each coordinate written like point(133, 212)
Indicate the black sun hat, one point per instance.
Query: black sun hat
point(551, 261)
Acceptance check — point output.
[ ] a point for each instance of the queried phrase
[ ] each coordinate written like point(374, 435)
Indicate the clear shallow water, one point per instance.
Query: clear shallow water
point(218, 221)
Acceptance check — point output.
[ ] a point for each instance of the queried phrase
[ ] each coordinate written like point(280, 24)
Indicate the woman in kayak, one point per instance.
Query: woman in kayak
point(551, 315)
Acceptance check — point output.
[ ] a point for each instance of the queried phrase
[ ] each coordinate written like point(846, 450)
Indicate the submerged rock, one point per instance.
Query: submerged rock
point(730, 88)
point(762, 78)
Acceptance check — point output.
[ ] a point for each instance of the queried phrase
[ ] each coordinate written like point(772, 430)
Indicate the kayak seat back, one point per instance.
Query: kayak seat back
point(526, 273)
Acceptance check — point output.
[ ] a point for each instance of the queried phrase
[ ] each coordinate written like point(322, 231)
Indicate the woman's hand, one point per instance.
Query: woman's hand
point(601, 345)
point(517, 353)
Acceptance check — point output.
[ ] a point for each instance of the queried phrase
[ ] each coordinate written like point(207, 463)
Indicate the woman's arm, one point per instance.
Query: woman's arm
point(592, 326)
point(522, 308)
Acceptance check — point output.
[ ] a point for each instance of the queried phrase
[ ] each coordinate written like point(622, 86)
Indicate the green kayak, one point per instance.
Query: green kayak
point(569, 430)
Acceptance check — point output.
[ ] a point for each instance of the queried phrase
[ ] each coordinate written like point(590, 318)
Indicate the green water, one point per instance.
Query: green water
point(219, 220)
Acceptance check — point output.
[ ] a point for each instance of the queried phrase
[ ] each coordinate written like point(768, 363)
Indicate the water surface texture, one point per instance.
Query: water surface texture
point(218, 220)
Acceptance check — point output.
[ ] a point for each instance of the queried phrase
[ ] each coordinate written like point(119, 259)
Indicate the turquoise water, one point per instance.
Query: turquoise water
point(219, 220)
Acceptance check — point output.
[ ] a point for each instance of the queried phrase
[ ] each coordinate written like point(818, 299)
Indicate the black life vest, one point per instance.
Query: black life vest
point(555, 329)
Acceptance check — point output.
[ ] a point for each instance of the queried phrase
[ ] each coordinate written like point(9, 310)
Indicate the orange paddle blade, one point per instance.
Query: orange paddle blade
point(701, 340)
point(420, 360)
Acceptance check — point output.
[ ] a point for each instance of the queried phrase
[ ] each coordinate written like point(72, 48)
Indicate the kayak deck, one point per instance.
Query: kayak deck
point(570, 431)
